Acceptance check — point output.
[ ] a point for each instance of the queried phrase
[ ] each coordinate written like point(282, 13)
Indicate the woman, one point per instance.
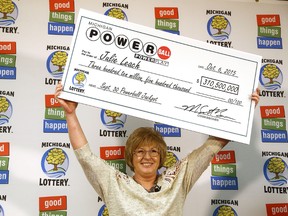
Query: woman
point(146, 193)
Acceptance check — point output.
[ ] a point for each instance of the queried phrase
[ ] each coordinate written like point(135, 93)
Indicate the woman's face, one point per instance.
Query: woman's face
point(146, 160)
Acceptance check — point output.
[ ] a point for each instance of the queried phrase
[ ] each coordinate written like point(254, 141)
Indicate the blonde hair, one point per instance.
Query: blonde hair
point(141, 137)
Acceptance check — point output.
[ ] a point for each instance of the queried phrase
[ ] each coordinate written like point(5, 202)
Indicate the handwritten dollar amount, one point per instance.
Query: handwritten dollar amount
point(219, 85)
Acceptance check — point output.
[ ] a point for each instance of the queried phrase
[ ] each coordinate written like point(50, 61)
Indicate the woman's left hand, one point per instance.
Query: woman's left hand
point(256, 96)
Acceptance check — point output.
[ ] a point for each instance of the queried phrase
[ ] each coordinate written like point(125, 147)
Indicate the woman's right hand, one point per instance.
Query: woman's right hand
point(76, 134)
point(68, 106)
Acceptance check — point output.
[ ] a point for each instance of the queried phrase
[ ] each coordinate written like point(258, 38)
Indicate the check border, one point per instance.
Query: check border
point(152, 113)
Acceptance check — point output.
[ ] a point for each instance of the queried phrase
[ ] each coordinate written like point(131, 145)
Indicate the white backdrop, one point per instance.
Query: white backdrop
point(28, 183)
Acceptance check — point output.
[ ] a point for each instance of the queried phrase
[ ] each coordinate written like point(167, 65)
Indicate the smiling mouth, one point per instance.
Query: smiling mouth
point(147, 164)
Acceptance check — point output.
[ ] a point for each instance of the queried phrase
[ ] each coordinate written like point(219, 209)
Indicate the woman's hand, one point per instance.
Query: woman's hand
point(256, 96)
point(76, 134)
point(68, 106)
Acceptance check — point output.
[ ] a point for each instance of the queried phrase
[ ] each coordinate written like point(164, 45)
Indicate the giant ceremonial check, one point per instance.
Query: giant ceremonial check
point(147, 73)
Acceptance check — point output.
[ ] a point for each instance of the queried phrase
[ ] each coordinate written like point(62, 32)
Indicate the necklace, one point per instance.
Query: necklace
point(154, 188)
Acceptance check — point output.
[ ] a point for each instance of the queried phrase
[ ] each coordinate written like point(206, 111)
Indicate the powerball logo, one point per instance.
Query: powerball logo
point(151, 51)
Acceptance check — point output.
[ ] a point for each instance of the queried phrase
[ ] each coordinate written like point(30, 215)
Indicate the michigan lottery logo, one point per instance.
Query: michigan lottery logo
point(271, 77)
point(56, 63)
point(1, 211)
point(8, 16)
point(117, 13)
point(6, 110)
point(55, 163)
point(103, 211)
point(113, 120)
point(224, 210)
point(79, 79)
point(219, 27)
point(276, 171)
